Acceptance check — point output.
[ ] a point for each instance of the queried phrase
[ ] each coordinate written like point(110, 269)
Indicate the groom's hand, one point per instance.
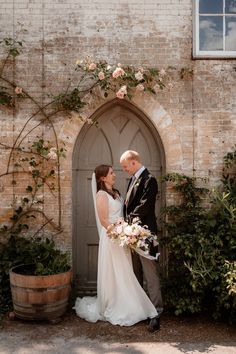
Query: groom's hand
point(153, 246)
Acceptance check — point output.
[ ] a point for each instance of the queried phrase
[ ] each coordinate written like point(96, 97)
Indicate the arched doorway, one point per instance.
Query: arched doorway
point(121, 126)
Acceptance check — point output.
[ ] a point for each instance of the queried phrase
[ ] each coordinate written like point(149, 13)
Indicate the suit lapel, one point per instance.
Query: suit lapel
point(136, 185)
point(129, 190)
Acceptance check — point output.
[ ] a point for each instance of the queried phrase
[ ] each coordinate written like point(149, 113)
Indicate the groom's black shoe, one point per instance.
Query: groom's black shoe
point(154, 324)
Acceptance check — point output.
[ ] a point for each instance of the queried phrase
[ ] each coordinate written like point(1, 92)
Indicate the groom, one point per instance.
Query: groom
point(140, 202)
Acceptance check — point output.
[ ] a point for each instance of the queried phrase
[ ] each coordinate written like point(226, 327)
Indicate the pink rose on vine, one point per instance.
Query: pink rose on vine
point(18, 90)
point(92, 66)
point(118, 72)
point(140, 87)
point(122, 92)
point(101, 75)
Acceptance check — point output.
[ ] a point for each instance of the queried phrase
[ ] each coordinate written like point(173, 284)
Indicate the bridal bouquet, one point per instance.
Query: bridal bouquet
point(133, 235)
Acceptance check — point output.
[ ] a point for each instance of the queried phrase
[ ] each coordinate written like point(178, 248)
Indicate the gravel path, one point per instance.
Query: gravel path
point(75, 336)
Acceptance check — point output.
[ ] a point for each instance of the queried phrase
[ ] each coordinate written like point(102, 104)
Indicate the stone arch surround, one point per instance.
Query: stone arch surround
point(151, 108)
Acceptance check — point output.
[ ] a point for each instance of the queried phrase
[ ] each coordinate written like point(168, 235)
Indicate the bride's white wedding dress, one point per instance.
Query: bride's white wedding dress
point(120, 298)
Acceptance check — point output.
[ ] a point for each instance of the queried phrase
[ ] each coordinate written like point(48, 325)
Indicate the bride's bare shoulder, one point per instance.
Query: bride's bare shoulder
point(101, 194)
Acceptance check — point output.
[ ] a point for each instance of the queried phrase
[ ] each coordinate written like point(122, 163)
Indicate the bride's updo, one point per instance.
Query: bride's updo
point(102, 171)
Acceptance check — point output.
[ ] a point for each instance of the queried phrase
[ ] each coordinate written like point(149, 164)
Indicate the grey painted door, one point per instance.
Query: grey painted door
point(119, 129)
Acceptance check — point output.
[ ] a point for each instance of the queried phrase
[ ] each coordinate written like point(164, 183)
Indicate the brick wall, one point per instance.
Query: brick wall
point(152, 33)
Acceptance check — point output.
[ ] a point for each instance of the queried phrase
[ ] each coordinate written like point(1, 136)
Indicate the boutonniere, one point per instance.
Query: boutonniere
point(136, 184)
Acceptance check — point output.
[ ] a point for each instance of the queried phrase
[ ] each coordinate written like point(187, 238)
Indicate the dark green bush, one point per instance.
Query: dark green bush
point(202, 247)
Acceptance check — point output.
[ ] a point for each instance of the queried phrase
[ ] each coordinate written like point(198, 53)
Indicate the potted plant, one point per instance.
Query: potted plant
point(39, 275)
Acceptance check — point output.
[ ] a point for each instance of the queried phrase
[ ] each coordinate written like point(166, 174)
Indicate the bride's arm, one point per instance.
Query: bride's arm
point(102, 208)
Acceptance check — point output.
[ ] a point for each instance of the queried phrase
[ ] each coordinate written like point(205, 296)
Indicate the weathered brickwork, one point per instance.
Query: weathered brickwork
point(196, 120)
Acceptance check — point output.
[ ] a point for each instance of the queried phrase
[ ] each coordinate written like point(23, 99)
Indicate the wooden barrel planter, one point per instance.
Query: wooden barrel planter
point(39, 297)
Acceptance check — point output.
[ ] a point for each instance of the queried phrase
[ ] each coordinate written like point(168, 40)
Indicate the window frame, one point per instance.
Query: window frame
point(197, 53)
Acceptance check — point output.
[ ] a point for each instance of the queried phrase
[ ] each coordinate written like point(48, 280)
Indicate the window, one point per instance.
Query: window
point(214, 29)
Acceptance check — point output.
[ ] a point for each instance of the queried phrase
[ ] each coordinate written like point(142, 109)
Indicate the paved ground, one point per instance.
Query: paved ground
point(75, 336)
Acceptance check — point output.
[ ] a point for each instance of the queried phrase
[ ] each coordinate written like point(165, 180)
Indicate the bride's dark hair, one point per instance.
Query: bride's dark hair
point(102, 171)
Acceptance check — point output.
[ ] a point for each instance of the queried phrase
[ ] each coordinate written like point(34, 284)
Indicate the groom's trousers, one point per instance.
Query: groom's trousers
point(148, 269)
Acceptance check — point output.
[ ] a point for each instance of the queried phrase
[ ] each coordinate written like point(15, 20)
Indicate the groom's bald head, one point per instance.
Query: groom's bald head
point(130, 155)
point(130, 162)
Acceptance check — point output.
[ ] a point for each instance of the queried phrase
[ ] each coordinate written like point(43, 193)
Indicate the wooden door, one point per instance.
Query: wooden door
point(119, 129)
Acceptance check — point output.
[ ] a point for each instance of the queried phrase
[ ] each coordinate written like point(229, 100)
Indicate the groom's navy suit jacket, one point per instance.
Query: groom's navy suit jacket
point(142, 200)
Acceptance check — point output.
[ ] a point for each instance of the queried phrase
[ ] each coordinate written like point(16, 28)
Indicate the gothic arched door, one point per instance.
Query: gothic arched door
point(121, 126)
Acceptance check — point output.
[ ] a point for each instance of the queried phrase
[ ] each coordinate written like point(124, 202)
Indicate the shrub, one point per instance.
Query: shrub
point(202, 243)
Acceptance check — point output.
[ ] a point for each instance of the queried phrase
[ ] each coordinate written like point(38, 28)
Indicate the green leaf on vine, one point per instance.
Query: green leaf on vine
point(29, 189)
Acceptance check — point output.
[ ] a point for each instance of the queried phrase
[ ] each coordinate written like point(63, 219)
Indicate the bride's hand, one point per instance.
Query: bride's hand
point(110, 227)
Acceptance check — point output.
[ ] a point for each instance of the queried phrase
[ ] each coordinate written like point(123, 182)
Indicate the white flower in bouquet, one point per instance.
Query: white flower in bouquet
point(128, 230)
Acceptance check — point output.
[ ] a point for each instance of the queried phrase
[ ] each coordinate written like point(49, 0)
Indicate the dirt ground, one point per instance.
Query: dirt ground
point(173, 329)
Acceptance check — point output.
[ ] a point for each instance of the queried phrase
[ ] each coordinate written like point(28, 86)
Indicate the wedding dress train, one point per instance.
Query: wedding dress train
point(120, 298)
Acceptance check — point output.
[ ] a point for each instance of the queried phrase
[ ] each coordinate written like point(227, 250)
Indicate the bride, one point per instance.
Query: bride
point(120, 298)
